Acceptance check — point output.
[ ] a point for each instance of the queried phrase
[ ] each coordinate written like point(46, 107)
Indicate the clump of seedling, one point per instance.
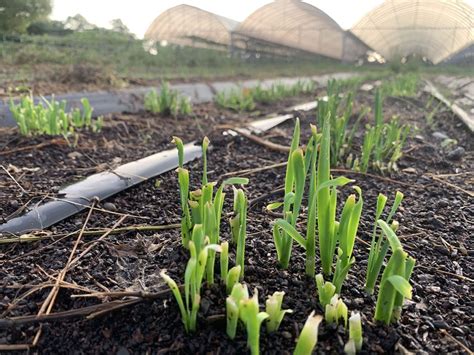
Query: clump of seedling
point(167, 102)
point(383, 142)
point(394, 285)
point(245, 99)
point(322, 209)
point(280, 91)
point(326, 290)
point(204, 207)
point(193, 277)
point(236, 100)
point(49, 117)
point(338, 108)
point(402, 85)
point(379, 245)
point(240, 306)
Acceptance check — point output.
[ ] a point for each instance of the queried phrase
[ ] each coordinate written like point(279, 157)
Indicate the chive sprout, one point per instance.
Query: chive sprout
point(326, 290)
point(274, 311)
point(309, 335)
point(252, 318)
point(193, 277)
point(336, 310)
point(379, 245)
point(167, 102)
point(394, 285)
point(355, 334)
point(239, 292)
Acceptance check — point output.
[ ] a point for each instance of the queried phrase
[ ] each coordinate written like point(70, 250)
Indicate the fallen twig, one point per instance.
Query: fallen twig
point(447, 183)
point(261, 141)
point(28, 238)
point(464, 347)
point(14, 180)
point(56, 141)
point(79, 312)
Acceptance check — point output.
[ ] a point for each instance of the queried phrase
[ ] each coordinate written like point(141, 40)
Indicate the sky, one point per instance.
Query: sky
point(138, 14)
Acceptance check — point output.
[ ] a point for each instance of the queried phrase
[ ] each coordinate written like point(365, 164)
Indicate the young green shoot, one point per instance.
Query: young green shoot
point(379, 245)
point(274, 311)
point(355, 334)
point(232, 278)
point(394, 285)
point(284, 227)
point(326, 290)
point(346, 234)
point(167, 102)
point(309, 335)
point(239, 292)
point(239, 227)
point(336, 310)
point(49, 117)
point(203, 207)
point(193, 277)
point(252, 319)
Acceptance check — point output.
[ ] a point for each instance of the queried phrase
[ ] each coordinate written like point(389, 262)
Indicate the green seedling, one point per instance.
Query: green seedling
point(339, 113)
point(326, 290)
point(239, 227)
point(239, 292)
point(167, 102)
point(355, 334)
point(402, 85)
point(193, 277)
point(309, 335)
point(336, 310)
point(346, 233)
point(236, 100)
point(379, 245)
point(203, 207)
point(294, 188)
point(284, 227)
point(383, 143)
point(252, 318)
point(50, 117)
point(394, 285)
point(233, 277)
point(274, 311)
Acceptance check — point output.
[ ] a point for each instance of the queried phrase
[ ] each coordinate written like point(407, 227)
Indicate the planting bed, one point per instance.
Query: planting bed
point(436, 224)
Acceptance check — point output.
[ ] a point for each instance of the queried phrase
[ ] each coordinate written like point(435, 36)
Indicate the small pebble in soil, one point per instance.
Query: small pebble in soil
point(109, 206)
point(286, 335)
point(440, 135)
point(14, 204)
point(122, 351)
point(456, 154)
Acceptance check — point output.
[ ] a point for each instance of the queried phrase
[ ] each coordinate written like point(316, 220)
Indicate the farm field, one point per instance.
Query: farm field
point(96, 279)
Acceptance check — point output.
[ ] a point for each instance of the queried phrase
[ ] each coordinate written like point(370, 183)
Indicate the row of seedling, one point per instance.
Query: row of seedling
point(167, 102)
point(308, 171)
point(382, 142)
point(246, 99)
point(50, 117)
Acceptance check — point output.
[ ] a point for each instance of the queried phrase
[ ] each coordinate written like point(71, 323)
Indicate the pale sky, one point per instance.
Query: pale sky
point(138, 14)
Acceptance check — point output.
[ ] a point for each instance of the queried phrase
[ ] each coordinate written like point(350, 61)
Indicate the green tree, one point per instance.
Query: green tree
point(119, 26)
point(17, 15)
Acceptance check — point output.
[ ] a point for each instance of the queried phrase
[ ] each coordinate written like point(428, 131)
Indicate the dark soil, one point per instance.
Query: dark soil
point(436, 225)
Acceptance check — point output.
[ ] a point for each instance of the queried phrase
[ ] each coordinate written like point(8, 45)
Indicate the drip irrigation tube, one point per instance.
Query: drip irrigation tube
point(77, 197)
point(457, 110)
